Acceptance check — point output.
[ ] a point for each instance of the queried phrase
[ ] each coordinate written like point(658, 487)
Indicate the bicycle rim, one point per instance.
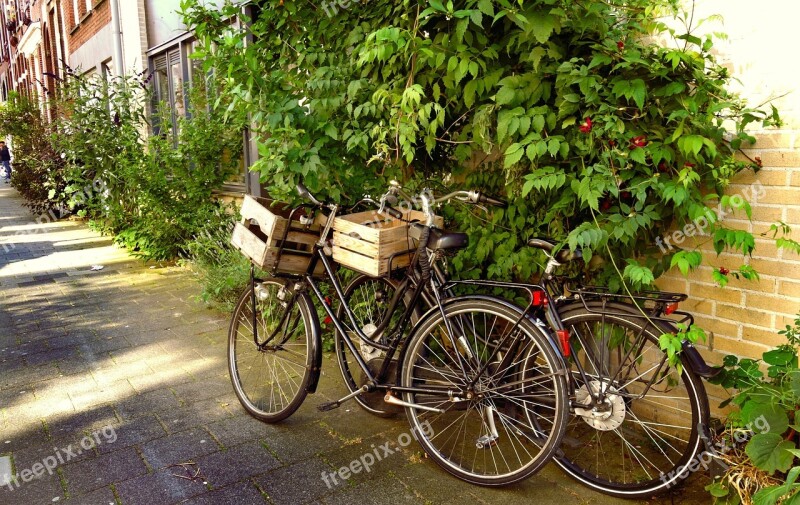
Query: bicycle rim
point(646, 432)
point(270, 382)
point(368, 299)
point(507, 426)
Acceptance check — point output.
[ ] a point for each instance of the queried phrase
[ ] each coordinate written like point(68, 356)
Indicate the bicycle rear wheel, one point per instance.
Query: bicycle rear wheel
point(645, 433)
point(368, 298)
point(497, 426)
point(270, 363)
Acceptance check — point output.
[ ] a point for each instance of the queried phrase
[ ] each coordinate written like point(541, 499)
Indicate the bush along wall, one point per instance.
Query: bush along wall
point(599, 134)
point(153, 191)
point(38, 167)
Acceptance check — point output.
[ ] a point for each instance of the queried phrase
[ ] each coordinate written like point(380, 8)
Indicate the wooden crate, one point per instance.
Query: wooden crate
point(258, 236)
point(367, 241)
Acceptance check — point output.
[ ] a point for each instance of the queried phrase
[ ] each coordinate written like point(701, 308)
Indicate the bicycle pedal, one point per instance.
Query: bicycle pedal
point(328, 406)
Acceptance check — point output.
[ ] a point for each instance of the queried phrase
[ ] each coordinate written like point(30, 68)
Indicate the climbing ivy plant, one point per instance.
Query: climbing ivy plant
point(601, 123)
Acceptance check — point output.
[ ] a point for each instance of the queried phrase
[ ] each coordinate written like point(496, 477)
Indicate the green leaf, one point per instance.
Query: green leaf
point(542, 26)
point(770, 452)
point(513, 154)
point(638, 92)
point(639, 275)
point(505, 96)
point(780, 357)
point(769, 414)
point(686, 261)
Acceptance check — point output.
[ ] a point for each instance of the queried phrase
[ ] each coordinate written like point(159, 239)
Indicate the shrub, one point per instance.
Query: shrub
point(37, 165)
point(156, 189)
point(763, 430)
point(599, 135)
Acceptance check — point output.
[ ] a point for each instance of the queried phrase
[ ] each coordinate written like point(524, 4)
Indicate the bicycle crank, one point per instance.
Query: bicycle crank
point(607, 414)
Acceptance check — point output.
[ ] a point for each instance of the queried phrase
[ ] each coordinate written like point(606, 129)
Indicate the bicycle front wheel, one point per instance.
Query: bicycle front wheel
point(496, 421)
point(270, 362)
point(642, 434)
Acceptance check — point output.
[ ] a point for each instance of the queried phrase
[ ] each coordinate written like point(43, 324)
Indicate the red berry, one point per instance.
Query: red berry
point(586, 126)
point(620, 45)
point(724, 271)
point(639, 141)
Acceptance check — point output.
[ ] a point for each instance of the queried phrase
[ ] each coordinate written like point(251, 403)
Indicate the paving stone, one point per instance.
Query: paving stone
point(178, 448)
point(237, 430)
point(162, 487)
point(203, 389)
point(103, 470)
point(375, 492)
point(148, 403)
point(81, 422)
point(241, 493)
point(102, 496)
point(298, 483)
point(194, 414)
point(133, 432)
point(44, 489)
point(292, 445)
point(237, 463)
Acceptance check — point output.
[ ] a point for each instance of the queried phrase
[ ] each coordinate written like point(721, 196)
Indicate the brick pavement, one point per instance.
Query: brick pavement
point(117, 379)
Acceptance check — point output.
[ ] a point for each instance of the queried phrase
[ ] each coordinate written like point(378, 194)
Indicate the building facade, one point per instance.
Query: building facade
point(39, 39)
point(42, 40)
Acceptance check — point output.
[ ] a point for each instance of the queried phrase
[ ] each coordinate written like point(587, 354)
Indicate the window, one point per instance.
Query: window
point(173, 72)
point(76, 15)
point(169, 98)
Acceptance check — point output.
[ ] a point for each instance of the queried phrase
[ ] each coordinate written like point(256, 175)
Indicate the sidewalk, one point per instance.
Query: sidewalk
point(114, 389)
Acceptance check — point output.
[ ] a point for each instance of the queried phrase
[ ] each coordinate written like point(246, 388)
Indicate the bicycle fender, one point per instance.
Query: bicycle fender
point(316, 345)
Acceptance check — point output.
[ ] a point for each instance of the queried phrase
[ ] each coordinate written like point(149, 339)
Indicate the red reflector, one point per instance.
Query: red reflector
point(672, 307)
point(563, 337)
point(539, 298)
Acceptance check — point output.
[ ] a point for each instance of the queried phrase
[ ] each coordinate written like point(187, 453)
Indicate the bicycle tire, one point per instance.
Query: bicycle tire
point(483, 451)
point(271, 384)
point(368, 299)
point(650, 438)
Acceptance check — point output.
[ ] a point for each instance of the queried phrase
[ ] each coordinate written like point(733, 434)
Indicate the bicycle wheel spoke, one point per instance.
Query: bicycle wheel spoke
point(635, 417)
point(493, 429)
point(270, 382)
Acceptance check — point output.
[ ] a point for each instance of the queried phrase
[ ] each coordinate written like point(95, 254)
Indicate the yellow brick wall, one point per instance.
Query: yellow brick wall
point(744, 318)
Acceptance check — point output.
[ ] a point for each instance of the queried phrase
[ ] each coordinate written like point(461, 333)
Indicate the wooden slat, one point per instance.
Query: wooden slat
point(249, 244)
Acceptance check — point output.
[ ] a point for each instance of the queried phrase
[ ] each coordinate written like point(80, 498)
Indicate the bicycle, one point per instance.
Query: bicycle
point(624, 395)
point(483, 388)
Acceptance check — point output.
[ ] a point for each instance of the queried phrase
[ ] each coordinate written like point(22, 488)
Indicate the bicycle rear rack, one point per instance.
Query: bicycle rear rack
point(650, 305)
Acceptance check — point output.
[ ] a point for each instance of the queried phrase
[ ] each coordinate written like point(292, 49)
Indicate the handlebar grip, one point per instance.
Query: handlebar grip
point(303, 192)
point(492, 201)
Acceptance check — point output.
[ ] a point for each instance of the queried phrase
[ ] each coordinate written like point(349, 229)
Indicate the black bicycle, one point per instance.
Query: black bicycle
point(637, 424)
point(483, 385)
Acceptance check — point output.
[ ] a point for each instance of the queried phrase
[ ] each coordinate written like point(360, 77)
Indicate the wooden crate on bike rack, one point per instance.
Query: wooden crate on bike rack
point(369, 242)
point(259, 236)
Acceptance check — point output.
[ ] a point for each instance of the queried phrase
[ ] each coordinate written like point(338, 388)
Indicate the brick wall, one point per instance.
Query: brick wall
point(744, 318)
point(88, 25)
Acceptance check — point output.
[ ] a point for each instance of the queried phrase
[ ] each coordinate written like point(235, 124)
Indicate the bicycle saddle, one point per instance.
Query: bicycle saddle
point(440, 239)
point(563, 255)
